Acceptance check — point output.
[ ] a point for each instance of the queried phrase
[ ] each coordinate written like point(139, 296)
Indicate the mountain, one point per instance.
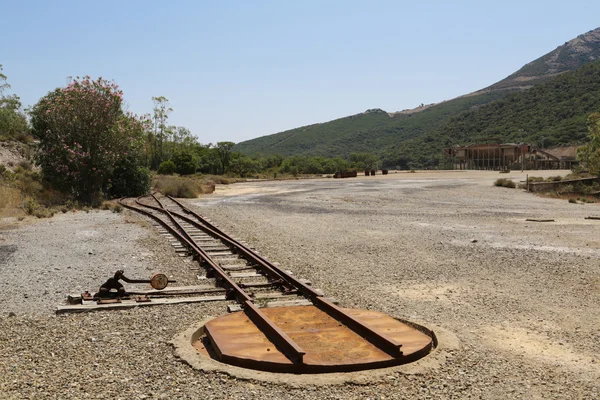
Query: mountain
point(413, 138)
point(570, 56)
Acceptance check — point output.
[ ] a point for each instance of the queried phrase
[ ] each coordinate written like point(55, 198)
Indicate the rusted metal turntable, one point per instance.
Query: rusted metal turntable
point(328, 345)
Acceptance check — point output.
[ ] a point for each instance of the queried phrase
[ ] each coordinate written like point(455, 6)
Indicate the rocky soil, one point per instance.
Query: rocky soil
point(452, 250)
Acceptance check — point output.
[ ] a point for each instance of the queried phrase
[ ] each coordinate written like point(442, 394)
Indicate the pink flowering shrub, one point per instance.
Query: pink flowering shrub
point(85, 136)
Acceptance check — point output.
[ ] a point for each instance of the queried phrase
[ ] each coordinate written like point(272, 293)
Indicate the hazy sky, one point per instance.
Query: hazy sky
point(235, 70)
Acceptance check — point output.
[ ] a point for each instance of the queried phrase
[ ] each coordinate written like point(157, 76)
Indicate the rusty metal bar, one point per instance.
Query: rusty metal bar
point(381, 340)
point(278, 337)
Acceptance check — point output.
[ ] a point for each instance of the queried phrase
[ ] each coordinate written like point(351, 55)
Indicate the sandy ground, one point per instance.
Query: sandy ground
point(444, 247)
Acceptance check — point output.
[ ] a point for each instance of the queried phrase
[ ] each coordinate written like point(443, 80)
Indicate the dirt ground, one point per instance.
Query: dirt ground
point(447, 248)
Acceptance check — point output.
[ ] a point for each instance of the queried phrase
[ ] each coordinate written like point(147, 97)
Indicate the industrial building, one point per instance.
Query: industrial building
point(496, 156)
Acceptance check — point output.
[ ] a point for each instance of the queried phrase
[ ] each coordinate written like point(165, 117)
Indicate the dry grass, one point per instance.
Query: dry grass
point(10, 198)
point(507, 183)
point(183, 187)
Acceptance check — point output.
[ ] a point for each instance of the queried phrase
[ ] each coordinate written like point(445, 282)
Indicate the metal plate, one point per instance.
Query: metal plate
point(329, 345)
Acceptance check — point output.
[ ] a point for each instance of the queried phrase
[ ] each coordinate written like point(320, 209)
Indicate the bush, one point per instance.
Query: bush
point(554, 178)
point(130, 180)
point(566, 189)
point(84, 133)
point(167, 168)
point(25, 165)
point(183, 189)
point(507, 183)
point(30, 205)
point(572, 201)
point(184, 163)
point(177, 186)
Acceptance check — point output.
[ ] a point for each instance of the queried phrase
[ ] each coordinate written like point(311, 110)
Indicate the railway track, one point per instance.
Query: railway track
point(252, 280)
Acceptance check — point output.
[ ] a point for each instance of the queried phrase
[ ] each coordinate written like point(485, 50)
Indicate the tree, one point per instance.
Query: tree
point(13, 122)
point(167, 168)
point(184, 163)
point(87, 140)
point(224, 154)
point(161, 130)
point(590, 153)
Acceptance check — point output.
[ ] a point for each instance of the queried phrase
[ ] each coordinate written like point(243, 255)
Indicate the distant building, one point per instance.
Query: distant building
point(495, 156)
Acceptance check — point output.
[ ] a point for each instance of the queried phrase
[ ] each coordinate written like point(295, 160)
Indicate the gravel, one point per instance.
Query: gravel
point(523, 299)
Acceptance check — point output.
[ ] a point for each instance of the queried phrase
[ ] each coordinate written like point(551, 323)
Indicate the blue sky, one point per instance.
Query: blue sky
point(235, 70)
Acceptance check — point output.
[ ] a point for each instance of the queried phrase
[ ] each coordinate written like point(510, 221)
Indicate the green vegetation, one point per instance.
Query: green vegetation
point(375, 131)
point(87, 140)
point(554, 112)
point(590, 153)
point(167, 168)
point(13, 123)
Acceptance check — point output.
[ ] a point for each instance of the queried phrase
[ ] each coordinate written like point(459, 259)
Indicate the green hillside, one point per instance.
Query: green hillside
point(373, 129)
point(416, 139)
point(555, 110)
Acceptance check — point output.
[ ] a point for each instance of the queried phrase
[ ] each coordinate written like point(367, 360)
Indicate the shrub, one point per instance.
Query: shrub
point(30, 205)
point(554, 178)
point(186, 187)
point(571, 200)
point(167, 168)
point(184, 163)
point(183, 189)
point(499, 181)
point(43, 212)
point(509, 184)
point(130, 180)
point(84, 133)
point(25, 165)
point(566, 189)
